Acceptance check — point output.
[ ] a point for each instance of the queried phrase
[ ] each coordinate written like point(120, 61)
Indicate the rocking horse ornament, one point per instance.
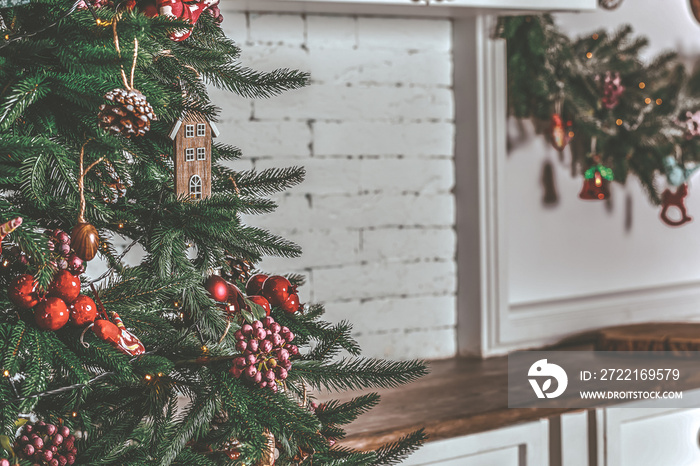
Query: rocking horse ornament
point(677, 199)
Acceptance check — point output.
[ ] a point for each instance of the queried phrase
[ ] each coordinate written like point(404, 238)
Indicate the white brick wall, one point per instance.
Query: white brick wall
point(375, 132)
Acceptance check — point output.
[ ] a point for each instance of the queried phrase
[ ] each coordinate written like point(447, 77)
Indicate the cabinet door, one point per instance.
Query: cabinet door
point(520, 445)
point(650, 436)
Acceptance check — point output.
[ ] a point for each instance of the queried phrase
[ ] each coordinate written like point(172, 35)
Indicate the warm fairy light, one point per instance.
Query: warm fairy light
point(571, 134)
point(6, 373)
point(589, 55)
point(98, 21)
point(618, 122)
point(160, 374)
point(74, 414)
point(647, 101)
point(595, 36)
point(658, 101)
point(121, 225)
point(176, 303)
point(5, 263)
point(642, 85)
point(7, 37)
point(182, 315)
point(204, 348)
point(148, 377)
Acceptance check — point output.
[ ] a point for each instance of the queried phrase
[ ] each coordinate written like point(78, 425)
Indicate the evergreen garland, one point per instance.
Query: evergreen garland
point(647, 134)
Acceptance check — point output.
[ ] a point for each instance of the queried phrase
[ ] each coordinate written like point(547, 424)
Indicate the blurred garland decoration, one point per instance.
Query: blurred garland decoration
point(618, 114)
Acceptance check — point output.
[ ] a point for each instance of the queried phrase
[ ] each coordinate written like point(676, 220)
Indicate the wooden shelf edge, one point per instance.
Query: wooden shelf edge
point(472, 8)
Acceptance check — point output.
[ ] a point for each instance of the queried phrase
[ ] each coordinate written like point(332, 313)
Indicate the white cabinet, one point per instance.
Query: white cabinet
point(641, 436)
point(412, 7)
point(519, 445)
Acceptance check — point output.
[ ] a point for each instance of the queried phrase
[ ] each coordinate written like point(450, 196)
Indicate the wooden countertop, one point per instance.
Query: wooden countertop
point(459, 396)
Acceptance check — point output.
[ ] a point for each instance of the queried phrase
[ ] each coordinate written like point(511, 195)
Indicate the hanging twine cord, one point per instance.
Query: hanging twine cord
point(81, 180)
point(128, 83)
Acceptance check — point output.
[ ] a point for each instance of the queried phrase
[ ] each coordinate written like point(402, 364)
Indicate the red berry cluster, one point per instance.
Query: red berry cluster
point(64, 258)
point(51, 310)
point(276, 290)
point(46, 444)
point(266, 351)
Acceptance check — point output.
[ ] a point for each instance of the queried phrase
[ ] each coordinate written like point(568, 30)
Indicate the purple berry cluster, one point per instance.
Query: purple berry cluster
point(64, 258)
point(46, 444)
point(266, 351)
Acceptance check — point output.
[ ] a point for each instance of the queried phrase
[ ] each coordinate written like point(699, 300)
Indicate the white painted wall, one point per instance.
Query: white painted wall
point(582, 248)
point(374, 130)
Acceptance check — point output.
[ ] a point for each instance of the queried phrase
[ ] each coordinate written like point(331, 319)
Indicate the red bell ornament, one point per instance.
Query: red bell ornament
point(217, 288)
point(255, 284)
point(277, 289)
point(66, 286)
point(596, 183)
point(22, 292)
point(51, 314)
point(83, 311)
point(261, 301)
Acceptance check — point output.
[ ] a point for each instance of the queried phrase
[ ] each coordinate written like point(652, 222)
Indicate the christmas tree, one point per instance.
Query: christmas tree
point(106, 129)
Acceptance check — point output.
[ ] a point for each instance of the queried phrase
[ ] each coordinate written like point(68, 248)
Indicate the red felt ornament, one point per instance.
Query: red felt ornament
point(22, 292)
point(677, 200)
point(106, 331)
point(51, 314)
point(596, 184)
point(186, 11)
point(83, 311)
point(66, 286)
point(277, 289)
point(218, 288)
point(261, 301)
point(559, 133)
point(291, 304)
point(255, 284)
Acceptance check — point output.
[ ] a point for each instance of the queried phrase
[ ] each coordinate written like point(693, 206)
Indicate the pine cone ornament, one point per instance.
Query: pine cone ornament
point(129, 115)
point(240, 269)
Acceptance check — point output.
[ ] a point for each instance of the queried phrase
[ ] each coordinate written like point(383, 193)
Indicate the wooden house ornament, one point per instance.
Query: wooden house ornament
point(192, 156)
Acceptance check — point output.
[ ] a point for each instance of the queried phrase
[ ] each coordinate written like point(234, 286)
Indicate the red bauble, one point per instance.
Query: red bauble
point(51, 314)
point(291, 304)
point(236, 298)
point(277, 289)
point(66, 286)
point(83, 311)
point(255, 284)
point(217, 288)
point(261, 301)
point(22, 292)
point(107, 331)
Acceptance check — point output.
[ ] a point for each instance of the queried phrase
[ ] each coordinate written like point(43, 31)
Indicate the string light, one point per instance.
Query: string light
point(595, 36)
point(148, 377)
point(176, 303)
point(642, 85)
point(589, 55)
point(658, 101)
point(74, 414)
point(204, 348)
point(120, 225)
point(647, 101)
point(571, 134)
point(6, 373)
point(160, 374)
point(618, 122)
point(5, 263)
